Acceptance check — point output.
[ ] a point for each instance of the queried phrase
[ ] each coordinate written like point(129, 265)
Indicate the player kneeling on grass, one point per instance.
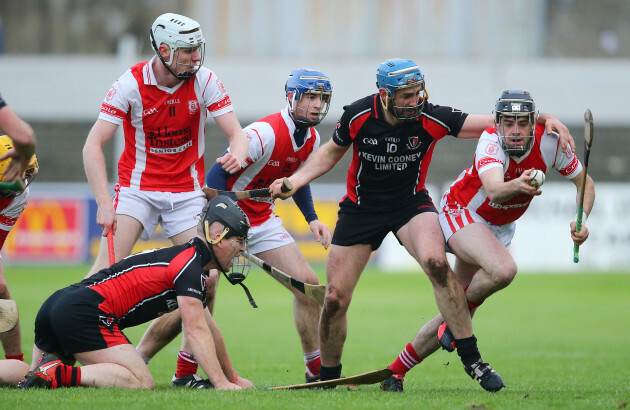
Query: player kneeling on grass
point(479, 211)
point(84, 321)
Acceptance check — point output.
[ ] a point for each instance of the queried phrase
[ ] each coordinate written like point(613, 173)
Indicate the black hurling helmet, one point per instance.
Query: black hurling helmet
point(235, 224)
point(515, 103)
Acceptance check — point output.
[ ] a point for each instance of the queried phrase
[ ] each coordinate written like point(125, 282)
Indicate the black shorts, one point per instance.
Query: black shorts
point(360, 225)
point(72, 321)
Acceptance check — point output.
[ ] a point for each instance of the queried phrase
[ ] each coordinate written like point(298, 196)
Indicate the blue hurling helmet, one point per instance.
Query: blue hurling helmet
point(395, 74)
point(309, 81)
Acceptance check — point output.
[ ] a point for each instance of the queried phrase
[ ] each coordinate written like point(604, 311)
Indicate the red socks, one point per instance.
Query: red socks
point(68, 376)
point(313, 363)
point(405, 361)
point(19, 357)
point(186, 364)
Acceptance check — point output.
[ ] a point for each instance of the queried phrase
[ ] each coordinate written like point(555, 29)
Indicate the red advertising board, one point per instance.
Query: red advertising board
point(50, 230)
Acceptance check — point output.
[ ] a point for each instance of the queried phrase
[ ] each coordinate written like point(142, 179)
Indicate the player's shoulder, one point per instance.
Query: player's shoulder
point(361, 105)
point(204, 74)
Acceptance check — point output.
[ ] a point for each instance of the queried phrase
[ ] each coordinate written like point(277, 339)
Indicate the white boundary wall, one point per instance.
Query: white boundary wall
point(542, 241)
point(61, 88)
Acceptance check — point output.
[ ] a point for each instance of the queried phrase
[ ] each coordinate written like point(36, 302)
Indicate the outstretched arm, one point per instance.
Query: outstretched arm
point(474, 125)
point(320, 162)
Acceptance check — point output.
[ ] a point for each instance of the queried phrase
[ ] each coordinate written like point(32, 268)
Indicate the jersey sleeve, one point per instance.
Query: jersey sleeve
point(341, 135)
point(566, 163)
point(189, 278)
point(488, 154)
point(215, 96)
point(116, 104)
point(256, 141)
point(451, 118)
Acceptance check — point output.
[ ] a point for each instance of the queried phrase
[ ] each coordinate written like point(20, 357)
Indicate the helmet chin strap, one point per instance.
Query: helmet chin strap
point(181, 76)
point(239, 280)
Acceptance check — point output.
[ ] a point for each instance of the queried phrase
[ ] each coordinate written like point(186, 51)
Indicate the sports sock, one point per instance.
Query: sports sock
point(473, 305)
point(313, 362)
point(186, 364)
point(405, 361)
point(467, 350)
point(330, 373)
point(68, 376)
point(19, 357)
point(146, 359)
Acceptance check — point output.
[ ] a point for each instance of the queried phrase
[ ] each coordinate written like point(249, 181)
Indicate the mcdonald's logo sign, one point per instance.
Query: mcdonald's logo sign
point(49, 230)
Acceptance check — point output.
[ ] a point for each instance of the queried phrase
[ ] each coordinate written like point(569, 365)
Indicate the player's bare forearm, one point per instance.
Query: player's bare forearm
point(474, 125)
point(499, 190)
point(94, 160)
point(589, 192)
point(222, 355)
point(552, 124)
point(201, 341)
point(234, 132)
point(19, 131)
point(320, 162)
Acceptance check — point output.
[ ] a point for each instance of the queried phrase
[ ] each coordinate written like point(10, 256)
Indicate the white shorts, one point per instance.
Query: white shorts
point(452, 220)
point(268, 235)
point(10, 213)
point(175, 211)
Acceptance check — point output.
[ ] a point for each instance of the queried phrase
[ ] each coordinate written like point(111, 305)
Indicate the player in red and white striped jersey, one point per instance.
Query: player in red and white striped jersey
point(278, 145)
point(479, 211)
point(162, 106)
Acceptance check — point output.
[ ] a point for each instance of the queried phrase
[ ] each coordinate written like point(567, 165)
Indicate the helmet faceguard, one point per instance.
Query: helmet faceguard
point(179, 33)
point(515, 119)
point(235, 227)
point(399, 74)
point(318, 90)
point(6, 145)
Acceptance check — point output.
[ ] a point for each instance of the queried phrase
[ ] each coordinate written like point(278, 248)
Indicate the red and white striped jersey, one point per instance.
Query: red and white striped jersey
point(163, 127)
point(468, 192)
point(273, 154)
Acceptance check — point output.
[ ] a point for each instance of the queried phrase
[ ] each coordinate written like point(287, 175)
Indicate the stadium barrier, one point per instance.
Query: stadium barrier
point(59, 226)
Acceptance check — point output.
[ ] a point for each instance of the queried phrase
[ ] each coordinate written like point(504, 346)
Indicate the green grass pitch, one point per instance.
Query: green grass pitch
point(558, 340)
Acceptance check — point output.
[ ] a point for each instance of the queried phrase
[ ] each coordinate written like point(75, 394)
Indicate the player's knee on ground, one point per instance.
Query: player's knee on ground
point(437, 270)
point(143, 380)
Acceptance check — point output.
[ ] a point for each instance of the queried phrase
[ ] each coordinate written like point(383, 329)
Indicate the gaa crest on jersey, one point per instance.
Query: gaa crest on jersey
point(193, 106)
point(110, 94)
point(414, 142)
point(454, 212)
point(108, 321)
point(221, 86)
point(492, 149)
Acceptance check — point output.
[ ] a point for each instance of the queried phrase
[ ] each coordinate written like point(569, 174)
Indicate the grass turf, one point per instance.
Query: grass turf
point(558, 340)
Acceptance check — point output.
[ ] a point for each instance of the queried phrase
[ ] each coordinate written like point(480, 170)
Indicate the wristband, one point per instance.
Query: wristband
point(584, 217)
point(235, 379)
